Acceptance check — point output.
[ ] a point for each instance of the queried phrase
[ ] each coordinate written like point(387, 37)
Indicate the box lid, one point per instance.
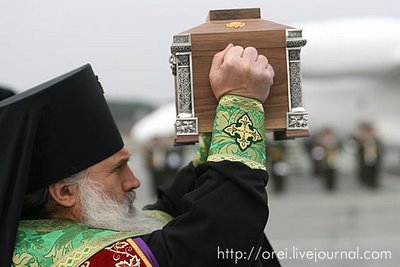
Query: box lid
point(245, 25)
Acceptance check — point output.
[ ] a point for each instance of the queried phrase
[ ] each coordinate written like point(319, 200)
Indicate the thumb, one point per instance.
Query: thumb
point(219, 59)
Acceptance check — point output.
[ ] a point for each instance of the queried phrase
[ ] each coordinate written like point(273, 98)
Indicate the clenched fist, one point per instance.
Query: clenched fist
point(242, 72)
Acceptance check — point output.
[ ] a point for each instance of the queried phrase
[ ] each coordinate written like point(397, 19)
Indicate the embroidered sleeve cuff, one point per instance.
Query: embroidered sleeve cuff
point(202, 149)
point(238, 133)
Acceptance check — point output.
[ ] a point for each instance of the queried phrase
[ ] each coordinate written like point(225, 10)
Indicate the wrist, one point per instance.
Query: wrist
point(245, 103)
point(242, 94)
point(238, 133)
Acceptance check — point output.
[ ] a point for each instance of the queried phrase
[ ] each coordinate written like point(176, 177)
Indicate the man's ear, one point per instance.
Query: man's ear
point(64, 194)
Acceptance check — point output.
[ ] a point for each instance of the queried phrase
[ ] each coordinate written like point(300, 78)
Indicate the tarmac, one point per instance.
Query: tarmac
point(308, 218)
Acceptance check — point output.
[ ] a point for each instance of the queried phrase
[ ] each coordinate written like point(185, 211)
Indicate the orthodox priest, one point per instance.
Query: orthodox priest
point(67, 193)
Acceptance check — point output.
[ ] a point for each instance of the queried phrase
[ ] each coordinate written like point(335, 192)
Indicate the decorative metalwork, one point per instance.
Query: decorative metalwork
point(181, 48)
point(294, 54)
point(297, 120)
point(296, 95)
point(179, 39)
point(172, 64)
point(184, 91)
point(235, 24)
point(183, 60)
point(186, 126)
point(297, 117)
point(296, 43)
point(294, 33)
point(181, 65)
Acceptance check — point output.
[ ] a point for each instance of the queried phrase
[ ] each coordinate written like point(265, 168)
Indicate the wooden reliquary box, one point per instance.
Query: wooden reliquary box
point(192, 54)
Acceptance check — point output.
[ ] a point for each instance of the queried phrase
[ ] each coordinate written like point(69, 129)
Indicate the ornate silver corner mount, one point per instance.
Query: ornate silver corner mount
point(186, 126)
point(181, 65)
point(297, 117)
point(297, 120)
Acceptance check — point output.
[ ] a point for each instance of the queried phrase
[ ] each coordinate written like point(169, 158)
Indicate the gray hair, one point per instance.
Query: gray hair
point(41, 205)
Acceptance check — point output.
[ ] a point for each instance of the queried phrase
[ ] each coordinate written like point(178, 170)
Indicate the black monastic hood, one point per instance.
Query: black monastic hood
point(48, 133)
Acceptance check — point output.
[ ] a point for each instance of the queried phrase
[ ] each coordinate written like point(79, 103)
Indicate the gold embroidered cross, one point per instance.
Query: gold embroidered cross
point(244, 132)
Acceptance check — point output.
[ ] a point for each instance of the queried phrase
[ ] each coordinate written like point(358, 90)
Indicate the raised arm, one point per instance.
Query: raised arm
point(227, 205)
point(236, 72)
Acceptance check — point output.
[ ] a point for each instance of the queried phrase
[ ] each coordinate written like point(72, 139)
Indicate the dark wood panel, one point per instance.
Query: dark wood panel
point(251, 25)
point(284, 135)
point(245, 13)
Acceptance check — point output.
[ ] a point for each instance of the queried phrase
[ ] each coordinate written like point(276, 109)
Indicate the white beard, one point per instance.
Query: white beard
point(100, 210)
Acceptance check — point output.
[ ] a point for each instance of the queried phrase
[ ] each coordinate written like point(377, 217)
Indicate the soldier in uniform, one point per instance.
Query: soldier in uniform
point(369, 155)
point(329, 144)
point(279, 168)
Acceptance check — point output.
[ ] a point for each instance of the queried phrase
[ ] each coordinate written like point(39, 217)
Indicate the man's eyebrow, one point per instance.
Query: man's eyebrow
point(122, 160)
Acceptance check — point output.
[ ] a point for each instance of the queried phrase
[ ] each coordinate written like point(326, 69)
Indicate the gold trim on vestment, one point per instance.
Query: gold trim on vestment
point(82, 253)
point(139, 252)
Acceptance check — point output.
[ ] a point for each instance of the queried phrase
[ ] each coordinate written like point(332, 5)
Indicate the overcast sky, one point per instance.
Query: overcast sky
point(126, 41)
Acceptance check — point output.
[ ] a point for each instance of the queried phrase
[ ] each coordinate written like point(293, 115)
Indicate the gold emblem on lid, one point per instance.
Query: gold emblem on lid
point(235, 24)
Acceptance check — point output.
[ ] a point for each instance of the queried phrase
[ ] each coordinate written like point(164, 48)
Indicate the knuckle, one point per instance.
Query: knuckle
point(217, 55)
point(212, 77)
point(251, 49)
point(271, 69)
point(262, 58)
point(245, 68)
point(268, 74)
point(232, 63)
point(236, 50)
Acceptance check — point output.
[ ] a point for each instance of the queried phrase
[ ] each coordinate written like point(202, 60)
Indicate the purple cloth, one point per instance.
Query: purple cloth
point(146, 250)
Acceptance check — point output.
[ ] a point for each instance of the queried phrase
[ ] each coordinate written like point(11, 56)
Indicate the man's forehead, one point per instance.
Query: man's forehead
point(122, 154)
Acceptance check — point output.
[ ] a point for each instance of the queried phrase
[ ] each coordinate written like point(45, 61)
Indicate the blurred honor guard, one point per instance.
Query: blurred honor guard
point(369, 155)
point(330, 145)
point(279, 168)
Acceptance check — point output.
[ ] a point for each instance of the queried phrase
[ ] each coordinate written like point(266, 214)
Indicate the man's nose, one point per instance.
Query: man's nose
point(131, 181)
